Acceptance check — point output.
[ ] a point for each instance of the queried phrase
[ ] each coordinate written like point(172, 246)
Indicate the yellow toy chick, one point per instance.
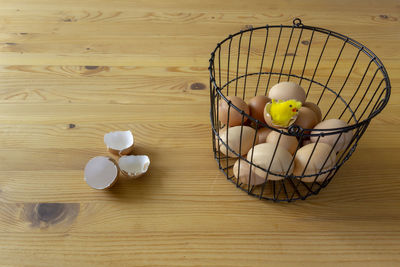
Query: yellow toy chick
point(282, 112)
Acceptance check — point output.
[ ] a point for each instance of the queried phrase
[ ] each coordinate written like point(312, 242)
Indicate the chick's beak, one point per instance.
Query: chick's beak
point(294, 110)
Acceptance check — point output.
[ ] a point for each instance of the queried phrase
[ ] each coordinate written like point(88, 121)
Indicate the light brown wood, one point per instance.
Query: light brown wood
point(74, 70)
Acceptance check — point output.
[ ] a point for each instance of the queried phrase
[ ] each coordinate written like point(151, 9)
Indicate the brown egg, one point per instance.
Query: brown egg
point(245, 173)
point(233, 136)
point(306, 118)
point(344, 139)
point(257, 105)
point(315, 108)
point(262, 134)
point(318, 158)
point(289, 143)
point(263, 156)
point(235, 118)
point(286, 91)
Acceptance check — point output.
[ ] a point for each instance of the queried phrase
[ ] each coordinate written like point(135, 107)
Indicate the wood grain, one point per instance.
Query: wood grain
point(71, 71)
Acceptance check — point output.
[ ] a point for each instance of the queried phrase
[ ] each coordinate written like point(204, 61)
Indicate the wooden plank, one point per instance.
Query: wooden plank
point(183, 248)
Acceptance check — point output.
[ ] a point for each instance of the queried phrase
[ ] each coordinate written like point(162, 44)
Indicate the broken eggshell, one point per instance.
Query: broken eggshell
point(269, 121)
point(134, 166)
point(101, 172)
point(119, 142)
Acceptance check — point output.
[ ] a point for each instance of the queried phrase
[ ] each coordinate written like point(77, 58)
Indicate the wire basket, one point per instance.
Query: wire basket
point(343, 77)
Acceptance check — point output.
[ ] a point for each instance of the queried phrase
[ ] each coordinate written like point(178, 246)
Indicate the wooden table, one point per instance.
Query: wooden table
point(74, 70)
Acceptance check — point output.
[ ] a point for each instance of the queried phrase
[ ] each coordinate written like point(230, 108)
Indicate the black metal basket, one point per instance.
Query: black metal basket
point(343, 77)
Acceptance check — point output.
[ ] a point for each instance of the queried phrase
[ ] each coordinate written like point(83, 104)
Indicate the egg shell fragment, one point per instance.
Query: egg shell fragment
point(119, 142)
point(268, 118)
point(101, 172)
point(134, 166)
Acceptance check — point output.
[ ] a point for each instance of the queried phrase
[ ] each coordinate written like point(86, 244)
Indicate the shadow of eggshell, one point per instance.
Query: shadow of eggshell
point(235, 118)
point(243, 173)
point(344, 139)
point(134, 166)
point(101, 172)
point(264, 156)
point(119, 142)
point(313, 165)
point(231, 136)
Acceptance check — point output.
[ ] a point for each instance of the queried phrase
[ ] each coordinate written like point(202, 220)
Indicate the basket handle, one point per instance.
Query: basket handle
point(297, 22)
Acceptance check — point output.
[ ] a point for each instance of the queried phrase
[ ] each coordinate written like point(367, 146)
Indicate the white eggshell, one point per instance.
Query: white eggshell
point(101, 172)
point(134, 165)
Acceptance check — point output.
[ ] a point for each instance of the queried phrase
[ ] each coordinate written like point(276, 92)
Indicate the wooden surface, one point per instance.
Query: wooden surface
point(74, 70)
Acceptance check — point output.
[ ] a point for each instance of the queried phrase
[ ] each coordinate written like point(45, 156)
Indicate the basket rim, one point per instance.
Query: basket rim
point(298, 24)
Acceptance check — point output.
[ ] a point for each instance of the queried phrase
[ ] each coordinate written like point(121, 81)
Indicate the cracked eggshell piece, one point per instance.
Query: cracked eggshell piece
point(134, 166)
point(268, 118)
point(101, 172)
point(119, 142)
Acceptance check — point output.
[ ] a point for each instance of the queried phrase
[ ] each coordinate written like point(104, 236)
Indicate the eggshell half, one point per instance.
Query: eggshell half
point(317, 160)
point(268, 119)
point(344, 139)
point(233, 136)
point(235, 118)
point(119, 142)
point(263, 155)
point(257, 105)
point(286, 91)
point(101, 172)
point(245, 173)
point(289, 143)
point(134, 166)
